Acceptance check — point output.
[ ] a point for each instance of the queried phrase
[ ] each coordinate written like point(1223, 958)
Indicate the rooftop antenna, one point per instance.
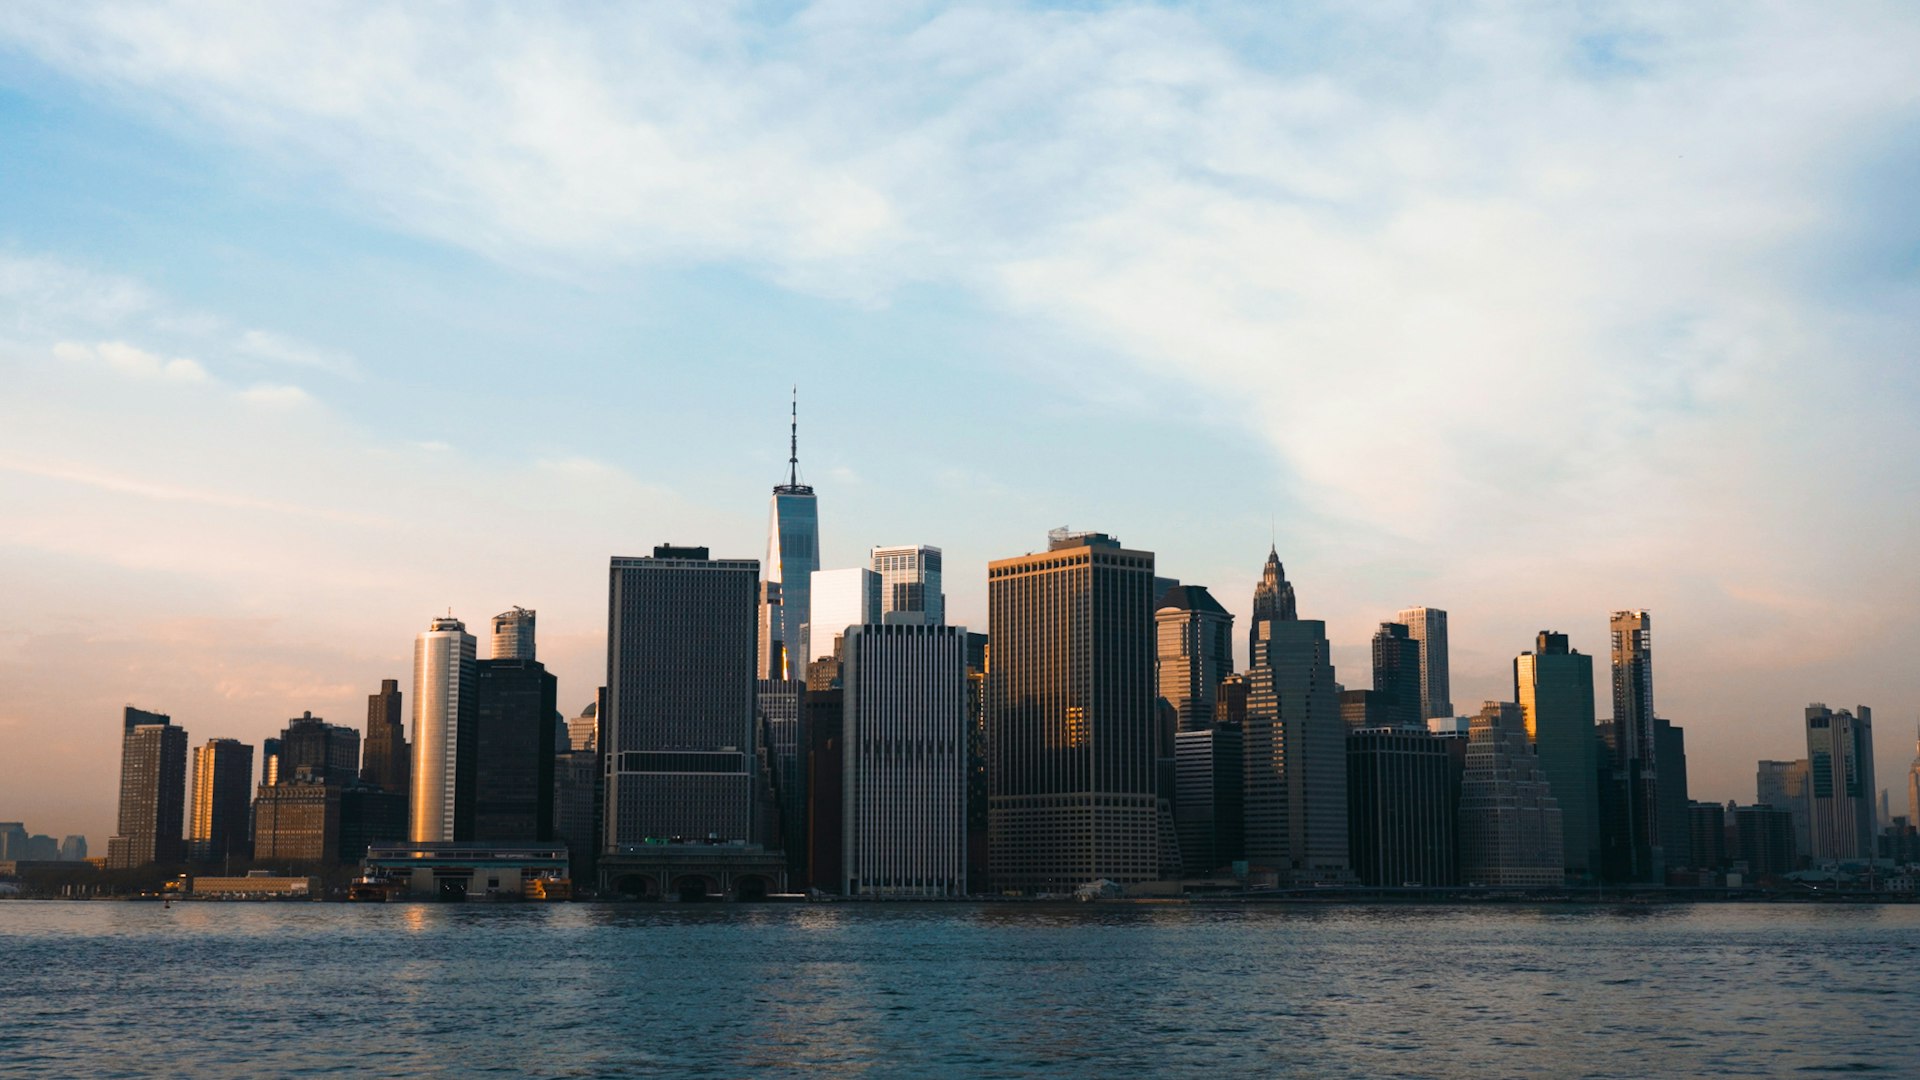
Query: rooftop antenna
point(793, 442)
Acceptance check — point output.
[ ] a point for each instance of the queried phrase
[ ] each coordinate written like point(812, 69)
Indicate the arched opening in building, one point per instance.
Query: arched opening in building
point(635, 887)
point(694, 888)
point(751, 887)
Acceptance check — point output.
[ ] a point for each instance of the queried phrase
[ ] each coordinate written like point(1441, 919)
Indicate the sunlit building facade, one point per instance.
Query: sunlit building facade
point(1195, 642)
point(1071, 717)
point(839, 599)
point(153, 787)
point(219, 807)
point(444, 745)
point(910, 585)
point(513, 635)
point(1428, 626)
point(386, 759)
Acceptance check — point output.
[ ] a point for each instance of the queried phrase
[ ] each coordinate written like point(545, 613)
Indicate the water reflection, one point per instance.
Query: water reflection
point(988, 989)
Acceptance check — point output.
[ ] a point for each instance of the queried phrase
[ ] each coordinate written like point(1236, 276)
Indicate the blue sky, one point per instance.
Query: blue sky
point(318, 321)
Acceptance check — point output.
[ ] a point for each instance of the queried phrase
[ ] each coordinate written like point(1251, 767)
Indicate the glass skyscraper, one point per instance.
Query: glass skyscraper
point(1554, 687)
point(793, 554)
point(441, 791)
point(910, 585)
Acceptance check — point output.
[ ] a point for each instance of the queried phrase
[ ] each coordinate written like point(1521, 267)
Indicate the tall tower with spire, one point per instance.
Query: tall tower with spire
point(793, 554)
point(1294, 769)
point(1272, 599)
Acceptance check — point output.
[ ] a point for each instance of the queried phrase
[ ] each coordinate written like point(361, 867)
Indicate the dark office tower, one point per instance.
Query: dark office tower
point(826, 788)
point(576, 779)
point(222, 785)
point(514, 732)
point(1840, 782)
point(1510, 832)
point(1402, 798)
point(440, 786)
point(1273, 599)
point(513, 635)
point(1554, 687)
point(386, 759)
point(1785, 786)
point(1633, 841)
point(1428, 626)
point(1396, 675)
point(680, 683)
point(1071, 717)
point(329, 753)
point(1763, 841)
point(1361, 709)
point(1670, 763)
point(1208, 807)
point(978, 652)
point(1196, 652)
point(1295, 785)
point(781, 722)
point(793, 554)
point(153, 787)
point(1706, 836)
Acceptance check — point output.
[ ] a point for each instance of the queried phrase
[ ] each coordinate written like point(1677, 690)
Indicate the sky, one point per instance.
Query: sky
point(320, 320)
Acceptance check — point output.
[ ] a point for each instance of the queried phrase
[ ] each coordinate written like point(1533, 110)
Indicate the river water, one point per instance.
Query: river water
point(103, 989)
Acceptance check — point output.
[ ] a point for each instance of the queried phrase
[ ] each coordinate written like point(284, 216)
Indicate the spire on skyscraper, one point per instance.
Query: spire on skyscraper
point(1273, 596)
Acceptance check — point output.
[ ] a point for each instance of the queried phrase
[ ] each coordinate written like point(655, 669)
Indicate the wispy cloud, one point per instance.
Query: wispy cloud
point(84, 476)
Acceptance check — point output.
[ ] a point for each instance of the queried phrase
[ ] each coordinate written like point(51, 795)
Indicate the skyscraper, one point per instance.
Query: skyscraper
point(905, 776)
point(1209, 808)
point(793, 554)
point(1634, 838)
point(1428, 626)
point(840, 598)
point(386, 759)
point(576, 781)
point(1913, 786)
point(1784, 785)
point(153, 787)
point(782, 728)
point(1071, 704)
point(1403, 797)
point(329, 753)
point(222, 784)
point(1510, 831)
point(910, 585)
point(1196, 651)
point(1554, 687)
point(1840, 781)
point(513, 635)
point(1396, 675)
point(441, 790)
point(1295, 785)
point(514, 726)
point(1273, 600)
point(1670, 762)
point(679, 717)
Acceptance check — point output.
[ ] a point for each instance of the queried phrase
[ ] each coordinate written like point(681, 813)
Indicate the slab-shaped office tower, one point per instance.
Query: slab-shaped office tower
point(904, 782)
point(1071, 715)
point(679, 718)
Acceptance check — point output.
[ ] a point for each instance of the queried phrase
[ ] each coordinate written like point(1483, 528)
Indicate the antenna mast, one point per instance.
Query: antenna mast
point(793, 442)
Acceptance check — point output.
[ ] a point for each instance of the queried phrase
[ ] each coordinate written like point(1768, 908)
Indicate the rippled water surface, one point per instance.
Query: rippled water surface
point(93, 989)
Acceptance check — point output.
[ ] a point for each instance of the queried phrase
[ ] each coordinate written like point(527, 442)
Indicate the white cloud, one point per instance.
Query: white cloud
point(277, 397)
point(132, 362)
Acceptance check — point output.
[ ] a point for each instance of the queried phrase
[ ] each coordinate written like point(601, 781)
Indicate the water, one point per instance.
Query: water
point(104, 989)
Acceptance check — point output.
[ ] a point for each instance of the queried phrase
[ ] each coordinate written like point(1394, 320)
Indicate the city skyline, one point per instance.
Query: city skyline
point(281, 360)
